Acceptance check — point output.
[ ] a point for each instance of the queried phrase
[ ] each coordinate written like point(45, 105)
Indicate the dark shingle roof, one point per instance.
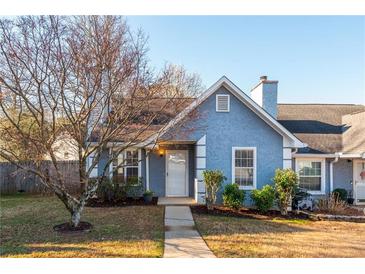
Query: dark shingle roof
point(321, 126)
point(158, 111)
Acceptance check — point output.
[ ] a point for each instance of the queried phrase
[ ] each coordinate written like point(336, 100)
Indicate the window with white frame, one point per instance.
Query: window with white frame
point(125, 165)
point(244, 167)
point(311, 173)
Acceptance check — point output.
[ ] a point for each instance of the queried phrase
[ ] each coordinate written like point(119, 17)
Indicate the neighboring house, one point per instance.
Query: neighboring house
point(65, 148)
point(248, 138)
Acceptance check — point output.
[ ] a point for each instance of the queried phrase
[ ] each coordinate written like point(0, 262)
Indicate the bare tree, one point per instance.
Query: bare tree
point(87, 78)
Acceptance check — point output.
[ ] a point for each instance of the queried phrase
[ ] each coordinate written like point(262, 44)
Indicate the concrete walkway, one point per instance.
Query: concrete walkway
point(175, 201)
point(181, 238)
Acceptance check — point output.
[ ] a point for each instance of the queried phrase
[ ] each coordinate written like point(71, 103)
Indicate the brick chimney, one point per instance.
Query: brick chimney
point(265, 94)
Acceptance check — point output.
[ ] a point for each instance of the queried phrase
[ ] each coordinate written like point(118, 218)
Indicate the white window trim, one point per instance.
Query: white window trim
point(323, 173)
point(139, 162)
point(228, 102)
point(254, 166)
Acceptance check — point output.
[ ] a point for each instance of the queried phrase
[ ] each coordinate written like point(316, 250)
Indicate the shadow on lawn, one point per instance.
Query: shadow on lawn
point(226, 225)
point(102, 248)
point(40, 248)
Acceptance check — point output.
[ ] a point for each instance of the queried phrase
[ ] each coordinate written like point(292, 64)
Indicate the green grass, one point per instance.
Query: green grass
point(253, 238)
point(26, 230)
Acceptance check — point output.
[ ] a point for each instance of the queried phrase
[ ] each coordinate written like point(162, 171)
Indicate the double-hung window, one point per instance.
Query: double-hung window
point(126, 166)
point(311, 174)
point(244, 167)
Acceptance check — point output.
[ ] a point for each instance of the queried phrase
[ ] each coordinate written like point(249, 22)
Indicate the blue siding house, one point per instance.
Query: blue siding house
point(248, 138)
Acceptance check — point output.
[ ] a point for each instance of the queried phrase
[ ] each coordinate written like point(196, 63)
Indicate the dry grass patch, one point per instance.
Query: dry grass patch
point(240, 237)
point(26, 230)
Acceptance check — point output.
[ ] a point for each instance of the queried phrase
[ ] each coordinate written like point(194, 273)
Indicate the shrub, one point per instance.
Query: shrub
point(332, 204)
point(264, 198)
point(340, 193)
point(106, 190)
point(213, 180)
point(233, 196)
point(148, 193)
point(134, 187)
point(286, 182)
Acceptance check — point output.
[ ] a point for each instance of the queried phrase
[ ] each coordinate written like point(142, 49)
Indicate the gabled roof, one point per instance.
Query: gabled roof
point(290, 139)
point(326, 128)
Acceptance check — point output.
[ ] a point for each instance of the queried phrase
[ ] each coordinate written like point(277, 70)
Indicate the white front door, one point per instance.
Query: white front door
point(177, 173)
point(359, 182)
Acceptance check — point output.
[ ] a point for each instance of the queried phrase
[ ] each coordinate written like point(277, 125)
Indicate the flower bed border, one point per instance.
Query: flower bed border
point(331, 217)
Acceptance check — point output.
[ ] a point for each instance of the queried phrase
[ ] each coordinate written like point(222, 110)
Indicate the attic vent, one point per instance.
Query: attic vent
point(222, 103)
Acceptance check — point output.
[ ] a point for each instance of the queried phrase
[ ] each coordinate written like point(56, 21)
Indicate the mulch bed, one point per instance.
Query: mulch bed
point(68, 228)
point(245, 213)
point(96, 202)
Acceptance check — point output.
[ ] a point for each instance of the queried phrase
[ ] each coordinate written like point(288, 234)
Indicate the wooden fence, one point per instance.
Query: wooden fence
point(14, 179)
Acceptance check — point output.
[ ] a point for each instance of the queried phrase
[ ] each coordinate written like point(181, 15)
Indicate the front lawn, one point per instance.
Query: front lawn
point(26, 230)
point(271, 238)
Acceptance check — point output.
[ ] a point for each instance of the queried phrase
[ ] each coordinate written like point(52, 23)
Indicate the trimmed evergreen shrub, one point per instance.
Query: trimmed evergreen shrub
point(233, 196)
point(340, 193)
point(264, 198)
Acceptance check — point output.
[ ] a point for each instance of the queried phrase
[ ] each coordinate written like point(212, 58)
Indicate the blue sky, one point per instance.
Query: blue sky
point(315, 59)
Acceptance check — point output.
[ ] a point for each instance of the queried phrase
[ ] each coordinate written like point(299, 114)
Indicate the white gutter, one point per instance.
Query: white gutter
point(313, 155)
point(333, 155)
point(331, 170)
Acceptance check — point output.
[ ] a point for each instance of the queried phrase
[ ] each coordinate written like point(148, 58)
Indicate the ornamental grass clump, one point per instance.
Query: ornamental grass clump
point(332, 204)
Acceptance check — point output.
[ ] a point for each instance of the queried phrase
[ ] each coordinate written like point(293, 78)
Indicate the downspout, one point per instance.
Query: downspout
point(331, 170)
point(147, 170)
point(293, 163)
point(110, 165)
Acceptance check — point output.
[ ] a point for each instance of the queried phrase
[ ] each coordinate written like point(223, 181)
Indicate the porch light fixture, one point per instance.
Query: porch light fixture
point(160, 152)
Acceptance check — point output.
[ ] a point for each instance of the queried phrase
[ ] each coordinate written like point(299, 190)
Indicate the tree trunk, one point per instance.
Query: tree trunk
point(75, 217)
point(284, 210)
point(284, 206)
point(209, 206)
point(74, 206)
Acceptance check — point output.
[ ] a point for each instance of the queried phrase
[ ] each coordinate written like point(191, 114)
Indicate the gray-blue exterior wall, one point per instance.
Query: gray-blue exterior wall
point(104, 156)
point(157, 173)
point(343, 174)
